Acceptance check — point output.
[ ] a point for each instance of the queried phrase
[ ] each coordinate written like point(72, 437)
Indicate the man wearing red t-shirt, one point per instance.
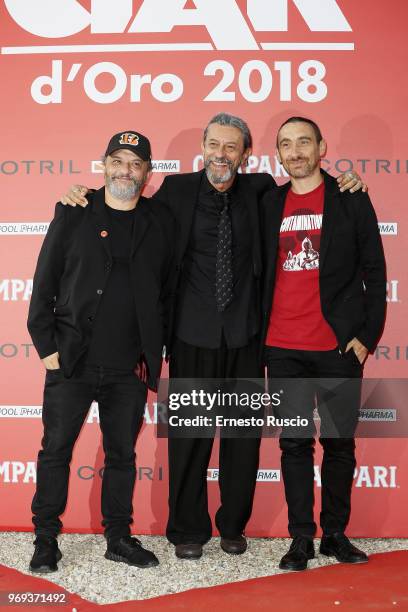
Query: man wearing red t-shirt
point(323, 312)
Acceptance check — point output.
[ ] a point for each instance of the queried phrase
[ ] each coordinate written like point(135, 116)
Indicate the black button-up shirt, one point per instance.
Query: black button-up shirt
point(198, 321)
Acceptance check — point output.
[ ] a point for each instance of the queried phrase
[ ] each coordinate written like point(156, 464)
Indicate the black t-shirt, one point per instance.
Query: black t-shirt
point(115, 341)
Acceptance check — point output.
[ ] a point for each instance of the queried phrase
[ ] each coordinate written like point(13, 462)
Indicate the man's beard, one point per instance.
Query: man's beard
point(218, 179)
point(123, 192)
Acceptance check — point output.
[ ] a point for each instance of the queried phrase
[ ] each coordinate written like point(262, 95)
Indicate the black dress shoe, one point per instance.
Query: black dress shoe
point(46, 555)
point(300, 551)
point(339, 546)
point(189, 550)
point(130, 550)
point(235, 546)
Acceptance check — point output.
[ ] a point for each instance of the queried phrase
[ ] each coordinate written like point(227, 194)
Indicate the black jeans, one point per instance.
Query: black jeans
point(189, 520)
point(121, 397)
point(339, 418)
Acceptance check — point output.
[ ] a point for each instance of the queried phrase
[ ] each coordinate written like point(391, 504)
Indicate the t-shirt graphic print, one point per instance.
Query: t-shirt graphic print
point(296, 319)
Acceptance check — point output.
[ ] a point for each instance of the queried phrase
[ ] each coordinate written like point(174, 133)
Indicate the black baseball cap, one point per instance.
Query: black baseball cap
point(134, 141)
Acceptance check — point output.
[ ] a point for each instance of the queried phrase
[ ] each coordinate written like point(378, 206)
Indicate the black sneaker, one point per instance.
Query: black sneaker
point(46, 555)
point(130, 550)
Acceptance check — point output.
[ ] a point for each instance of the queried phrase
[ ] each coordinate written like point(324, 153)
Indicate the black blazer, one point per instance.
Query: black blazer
point(352, 275)
point(72, 271)
point(181, 191)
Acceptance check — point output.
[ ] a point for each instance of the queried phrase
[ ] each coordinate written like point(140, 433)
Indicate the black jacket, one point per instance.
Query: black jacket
point(72, 271)
point(352, 275)
point(181, 191)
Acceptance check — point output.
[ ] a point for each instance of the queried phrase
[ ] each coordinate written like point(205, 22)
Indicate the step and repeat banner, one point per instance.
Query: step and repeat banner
point(74, 72)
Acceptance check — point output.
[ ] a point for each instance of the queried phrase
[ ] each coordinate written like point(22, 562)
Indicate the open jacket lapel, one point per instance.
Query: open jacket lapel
point(187, 206)
point(273, 220)
point(249, 197)
point(330, 208)
point(142, 222)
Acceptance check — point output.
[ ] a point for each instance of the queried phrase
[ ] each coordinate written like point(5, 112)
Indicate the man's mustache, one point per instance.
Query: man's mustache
point(220, 160)
point(122, 176)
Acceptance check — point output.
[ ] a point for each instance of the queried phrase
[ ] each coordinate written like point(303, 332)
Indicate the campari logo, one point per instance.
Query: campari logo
point(13, 472)
point(16, 289)
point(369, 476)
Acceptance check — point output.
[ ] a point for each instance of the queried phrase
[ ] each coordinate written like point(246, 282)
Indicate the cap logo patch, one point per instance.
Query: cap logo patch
point(129, 138)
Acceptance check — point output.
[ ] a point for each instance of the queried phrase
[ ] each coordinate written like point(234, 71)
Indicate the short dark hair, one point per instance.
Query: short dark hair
point(314, 125)
point(233, 121)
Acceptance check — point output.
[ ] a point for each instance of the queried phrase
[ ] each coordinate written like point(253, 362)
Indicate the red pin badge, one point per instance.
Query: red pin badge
point(104, 233)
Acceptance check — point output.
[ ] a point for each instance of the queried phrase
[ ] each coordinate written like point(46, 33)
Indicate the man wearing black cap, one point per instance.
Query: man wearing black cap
point(96, 320)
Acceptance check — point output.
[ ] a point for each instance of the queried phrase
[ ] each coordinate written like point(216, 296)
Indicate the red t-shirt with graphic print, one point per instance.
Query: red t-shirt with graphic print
point(296, 319)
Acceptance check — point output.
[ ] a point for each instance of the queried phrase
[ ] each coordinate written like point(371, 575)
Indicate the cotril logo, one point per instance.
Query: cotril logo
point(65, 18)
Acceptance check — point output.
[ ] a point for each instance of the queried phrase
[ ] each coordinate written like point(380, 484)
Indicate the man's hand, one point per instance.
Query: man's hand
point(351, 181)
point(76, 195)
point(51, 362)
point(359, 349)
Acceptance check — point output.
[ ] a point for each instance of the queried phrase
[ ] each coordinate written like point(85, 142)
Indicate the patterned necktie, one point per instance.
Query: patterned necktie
point(223, 264)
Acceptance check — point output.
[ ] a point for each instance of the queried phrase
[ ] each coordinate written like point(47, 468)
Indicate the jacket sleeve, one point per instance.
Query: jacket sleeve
point(373, 269)
point(50, 265)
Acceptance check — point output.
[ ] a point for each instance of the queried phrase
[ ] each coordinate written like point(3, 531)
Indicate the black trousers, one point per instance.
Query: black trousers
point(189, 520)
point(339, 418)
point(121, 397)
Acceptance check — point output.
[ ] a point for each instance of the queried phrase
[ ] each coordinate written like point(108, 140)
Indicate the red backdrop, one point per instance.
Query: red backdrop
point(75, 72)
